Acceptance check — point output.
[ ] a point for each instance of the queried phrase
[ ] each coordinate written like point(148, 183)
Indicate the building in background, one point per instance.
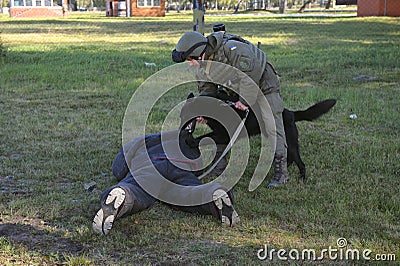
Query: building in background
point(378, 8)
point(135, 8)
point(37, 8)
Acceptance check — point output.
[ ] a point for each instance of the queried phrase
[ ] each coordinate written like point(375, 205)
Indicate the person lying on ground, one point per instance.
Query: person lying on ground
point(162, 167)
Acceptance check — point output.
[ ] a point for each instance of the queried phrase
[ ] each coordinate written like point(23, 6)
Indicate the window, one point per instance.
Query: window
point(148, 3)
point(18, 3)
point(32, 3)
point(121, 5)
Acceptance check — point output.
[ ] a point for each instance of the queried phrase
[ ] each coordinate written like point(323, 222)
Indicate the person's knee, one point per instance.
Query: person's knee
point(276, 103)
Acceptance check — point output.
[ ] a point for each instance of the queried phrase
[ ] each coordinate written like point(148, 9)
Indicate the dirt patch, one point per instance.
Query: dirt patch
point(10, 184)
point(38, 240)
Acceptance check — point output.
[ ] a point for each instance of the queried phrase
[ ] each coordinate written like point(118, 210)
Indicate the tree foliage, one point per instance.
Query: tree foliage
point(3, 49)
point(4, 3)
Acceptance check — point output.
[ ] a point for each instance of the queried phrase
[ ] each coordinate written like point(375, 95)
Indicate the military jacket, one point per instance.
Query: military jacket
point(240, 55)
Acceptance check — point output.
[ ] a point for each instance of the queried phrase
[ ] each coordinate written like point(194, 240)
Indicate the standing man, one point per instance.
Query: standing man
point(243, 55)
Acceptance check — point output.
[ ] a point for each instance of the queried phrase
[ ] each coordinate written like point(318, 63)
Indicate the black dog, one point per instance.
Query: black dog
point(220, 135)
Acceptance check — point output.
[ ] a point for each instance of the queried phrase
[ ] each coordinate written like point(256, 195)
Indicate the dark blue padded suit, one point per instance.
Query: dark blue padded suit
point(152, 146)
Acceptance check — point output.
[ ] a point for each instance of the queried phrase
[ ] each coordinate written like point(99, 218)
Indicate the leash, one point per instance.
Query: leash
point(231, 142)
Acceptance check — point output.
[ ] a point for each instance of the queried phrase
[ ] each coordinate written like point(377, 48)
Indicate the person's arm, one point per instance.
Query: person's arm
point(119, 166)
point(203, 86)
point(245, 82)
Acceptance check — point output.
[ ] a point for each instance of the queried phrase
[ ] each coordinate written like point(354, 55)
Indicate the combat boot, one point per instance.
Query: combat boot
point(280, 171)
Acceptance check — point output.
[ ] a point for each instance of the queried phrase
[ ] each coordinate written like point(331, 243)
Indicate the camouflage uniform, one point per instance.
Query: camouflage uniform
point(245, 56)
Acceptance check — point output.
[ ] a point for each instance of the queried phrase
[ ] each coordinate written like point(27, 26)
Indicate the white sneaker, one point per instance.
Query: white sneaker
point(227, 213)
point(110, 209)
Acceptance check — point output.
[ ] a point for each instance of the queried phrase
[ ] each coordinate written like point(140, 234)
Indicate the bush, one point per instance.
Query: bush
point(3, 49)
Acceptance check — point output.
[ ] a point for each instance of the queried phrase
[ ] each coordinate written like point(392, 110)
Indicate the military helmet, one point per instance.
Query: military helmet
point(190, 44)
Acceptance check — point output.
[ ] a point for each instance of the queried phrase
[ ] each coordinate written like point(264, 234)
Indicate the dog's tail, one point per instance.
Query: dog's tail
point(314, 111)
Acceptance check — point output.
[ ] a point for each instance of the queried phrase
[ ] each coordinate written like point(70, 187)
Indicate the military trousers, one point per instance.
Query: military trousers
point(271, 108)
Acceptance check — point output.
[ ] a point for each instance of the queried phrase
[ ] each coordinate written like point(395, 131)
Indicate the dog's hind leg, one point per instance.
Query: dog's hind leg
point(292, 140)
point(294, 156)
point(302, 168)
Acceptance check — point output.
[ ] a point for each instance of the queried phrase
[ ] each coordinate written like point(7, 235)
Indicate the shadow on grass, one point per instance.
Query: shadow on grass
point(301, 26)
point(39, 240)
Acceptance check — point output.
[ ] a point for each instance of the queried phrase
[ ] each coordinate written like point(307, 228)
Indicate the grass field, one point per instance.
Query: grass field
point(65, 85)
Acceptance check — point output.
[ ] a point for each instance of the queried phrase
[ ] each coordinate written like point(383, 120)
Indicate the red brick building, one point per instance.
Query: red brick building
point(135, 8)
point(36, 8)
point(378, 8)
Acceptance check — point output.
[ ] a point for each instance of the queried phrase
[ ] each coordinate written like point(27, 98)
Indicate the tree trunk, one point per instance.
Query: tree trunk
point(282, 7)
point(198, 16)
point(328, 4)
point(304, 6)
point(237, 6)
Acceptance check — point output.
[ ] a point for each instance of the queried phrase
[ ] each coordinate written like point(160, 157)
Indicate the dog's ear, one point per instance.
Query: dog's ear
point(190, 96)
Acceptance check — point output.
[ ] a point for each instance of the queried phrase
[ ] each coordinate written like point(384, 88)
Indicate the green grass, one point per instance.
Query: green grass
point(65, 85)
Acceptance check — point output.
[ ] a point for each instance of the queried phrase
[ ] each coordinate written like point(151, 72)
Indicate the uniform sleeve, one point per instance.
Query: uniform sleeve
point(245, 58)
point(203, 86)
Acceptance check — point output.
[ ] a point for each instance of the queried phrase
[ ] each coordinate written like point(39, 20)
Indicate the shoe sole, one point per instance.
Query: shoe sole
point(273, 184)
point(104, 218)
point(229, 216)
